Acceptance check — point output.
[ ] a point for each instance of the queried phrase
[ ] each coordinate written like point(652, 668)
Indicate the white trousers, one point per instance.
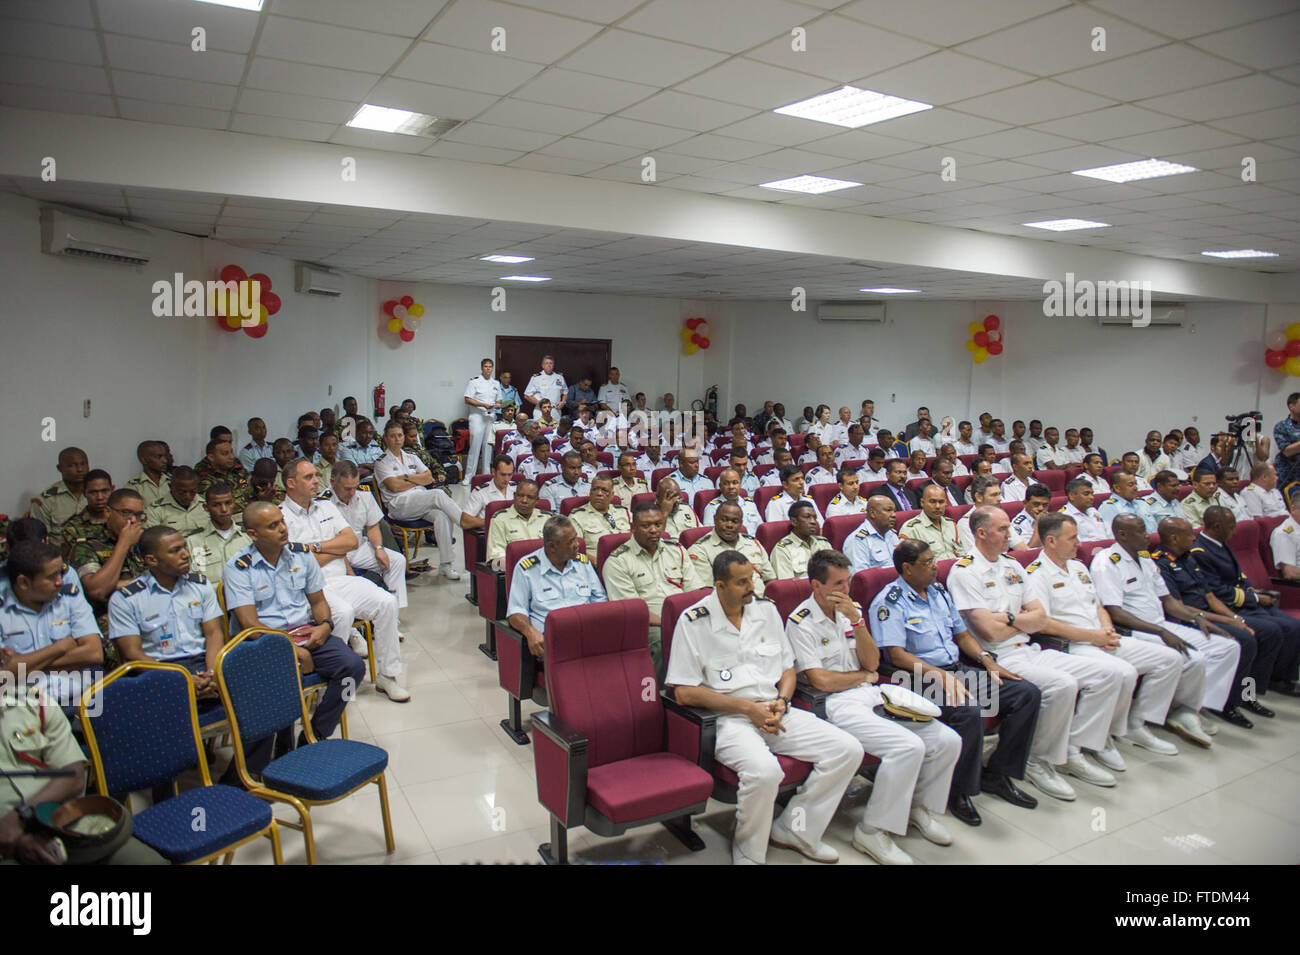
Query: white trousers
point(394, 577)
point(916, 759)
point(1159, 666)
point(481, 439)
point(1207, 671)
point(430, 504)
point(353, 597)
point(1080, 694)
point(835, 756)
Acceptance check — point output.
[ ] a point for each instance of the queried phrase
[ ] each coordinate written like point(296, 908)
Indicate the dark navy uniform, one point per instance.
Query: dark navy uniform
point(1221, 574)
point(1258, 650)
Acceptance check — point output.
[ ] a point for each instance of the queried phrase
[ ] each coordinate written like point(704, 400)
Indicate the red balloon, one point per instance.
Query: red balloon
point(697, 339)
point(981, 340)
point(704, 343)
point(271, 301)
point(995, 348)
point(233, 273)
point(263, 278)
point(1293, 348)
point(694, 323)
point(406, 334)
point(389, 306)
point(1274, 359)
point(256, 331)
point(992, 323)
point(407, 301)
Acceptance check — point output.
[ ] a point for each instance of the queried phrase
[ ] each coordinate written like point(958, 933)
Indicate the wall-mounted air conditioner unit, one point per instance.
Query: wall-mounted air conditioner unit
point(1162, 316)
point(107, 241)
point(866, 312)
point(314, 281)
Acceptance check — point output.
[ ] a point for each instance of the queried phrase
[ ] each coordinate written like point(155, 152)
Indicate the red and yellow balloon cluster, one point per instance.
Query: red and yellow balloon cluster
point(985, 339)
point(268, 303)
point(695, 335)
point(1284, 350)
point(405, 315)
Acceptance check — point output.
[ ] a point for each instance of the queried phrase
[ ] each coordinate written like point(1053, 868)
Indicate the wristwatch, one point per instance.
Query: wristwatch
point(315, 547)
point(988, 653)
point(1011, 619)
point(785, 700)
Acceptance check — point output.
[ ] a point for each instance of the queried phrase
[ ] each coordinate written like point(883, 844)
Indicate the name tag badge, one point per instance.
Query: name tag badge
point(165, 642)
point(990, 583)
point(1131, 580)
point(1058, 585)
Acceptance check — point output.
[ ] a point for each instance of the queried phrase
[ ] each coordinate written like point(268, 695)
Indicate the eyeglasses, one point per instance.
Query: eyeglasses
point(129, 515)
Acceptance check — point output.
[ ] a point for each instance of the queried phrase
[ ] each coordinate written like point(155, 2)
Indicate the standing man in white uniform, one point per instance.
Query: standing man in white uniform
point(483, 398)
point(547, 383)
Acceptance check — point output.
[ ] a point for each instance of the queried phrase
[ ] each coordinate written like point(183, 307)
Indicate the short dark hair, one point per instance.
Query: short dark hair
point(644, 506)
point(723, 563)
point(1163, 477)
point(29, 558)
point(214, 443)
point(219, 488)
point(123, 494)
point(98, 474)
point(908, 551)
point(26, 529)
point(789, 471)
point(820, 563)
point(843, 472)
point(799, 506)
point(152, 538)
point(182, 472)
point(308, 430)
point(218, 430)
point(1050, 524)
point(499, 459)
point(1078, 484)
point(1034, 490)
point(1088, 457)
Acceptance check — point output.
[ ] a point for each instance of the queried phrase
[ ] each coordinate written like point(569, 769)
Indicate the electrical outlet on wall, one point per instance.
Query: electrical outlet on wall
point(85, 408)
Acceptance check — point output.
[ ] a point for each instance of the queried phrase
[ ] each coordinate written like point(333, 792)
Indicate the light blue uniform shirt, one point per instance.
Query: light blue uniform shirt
point(749, 515)
point(690, 485)
point(1156, 509)
point(538, 587)
point(250, 454)
point(867, 547)
point(556, 491)
point(1115, 505)
point(366, 455)
point(924, 628)
point(168, 622)
point(24, 630)
point(279, 592)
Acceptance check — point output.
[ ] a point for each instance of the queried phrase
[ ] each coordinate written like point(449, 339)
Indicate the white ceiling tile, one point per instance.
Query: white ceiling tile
point(529, 34)
point(326, 45)
point(628, 132)
point(699, 113)
point(61, 76)
point(943, 78)
point(729, 25)
point(568, 167)
point(465, 69)
point(1168, 69)
point(48, 41)
point(428, 98)
point(279, 126)
point(799, 161)
point(710, 146)
point(225, 28)
point(1180, 139)
point(1263, 45)
point(306, 79)
point(1226, 99)
point(1086, 157)
point(755, 84)
point(837, 48)
point(555, 120)
point(583, 91)
point(61, 101)
point(860, 144)
point(369, 139)
point(699, 184)
point(1033, 103)
point(1267, 124)
point(172, 114)
point(937, 126)
point(399, 17)
point(600, 11)
point(779, 129)
point(70, 13)
point(584, 149)
point(946, 23)
point(670, 164)
point(311, 108)
point(640, 59)
point(1108, 123)
point(500, 137)
point(1014, 143)
point(173, 59)
point(1004, 170)
point(932, 160)
point(1061, 40)
point(467, 152)
point(170, 89)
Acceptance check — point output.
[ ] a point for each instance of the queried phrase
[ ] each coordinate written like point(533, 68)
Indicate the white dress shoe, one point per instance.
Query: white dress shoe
point(739, 858)
point(928, 826)
point(880, 847)
point(1079, 767)
point(450, 572)
point(358, 642)
point(1208, 725)
point(1187, 724)
point(783, 838)
point(1141, 736)
point(392, 688)
point(1110, 757)
point(1049, 781)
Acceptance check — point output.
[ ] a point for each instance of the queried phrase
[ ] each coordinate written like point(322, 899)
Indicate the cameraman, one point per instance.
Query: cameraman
point(1286, 435)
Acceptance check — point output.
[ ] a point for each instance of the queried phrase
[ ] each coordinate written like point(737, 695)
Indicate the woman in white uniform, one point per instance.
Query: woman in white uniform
point(483, 397)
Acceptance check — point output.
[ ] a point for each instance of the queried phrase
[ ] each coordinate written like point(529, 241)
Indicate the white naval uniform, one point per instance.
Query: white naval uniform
point(1091, 526)
point(1262, 503)
point(847, 452)
point(1023, 526)
point(840, 504)
point(542, 385)
point(481, 497)
point(778, 509)
point(916, 758)
point(1014, 489)
point(426, 503)
point(965, 447)
point(819, 475)
point(362, 512)
point(481, 421)
point(923, 444)
point(1099, 484)
point(349, 597)
point(1137, 585)
point(1068, 595)
point(1064, 678)
point(1285, 543)
point(708, 651)
point(1051, 458)
point(613, 396)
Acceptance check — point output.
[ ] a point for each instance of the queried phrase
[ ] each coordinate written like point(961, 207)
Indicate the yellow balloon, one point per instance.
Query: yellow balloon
point(692, 348)
point(233, 321)
point(262, 314)
point(686, 334)
point(394, 325)
point(416, 309)
point(974, 328)
point(970, 344)
point(980, 355)
point(1293, 331)
point(1292, 366)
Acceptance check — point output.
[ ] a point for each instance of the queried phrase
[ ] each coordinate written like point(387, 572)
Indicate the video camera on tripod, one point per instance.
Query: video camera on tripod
point(1243, 428)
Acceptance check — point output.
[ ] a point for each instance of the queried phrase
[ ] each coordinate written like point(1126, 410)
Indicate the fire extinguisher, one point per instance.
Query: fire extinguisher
point(379, 401)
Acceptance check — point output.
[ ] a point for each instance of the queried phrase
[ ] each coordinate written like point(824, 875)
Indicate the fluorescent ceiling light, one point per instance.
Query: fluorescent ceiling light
point(852, 107)
point(525, 278)
point(507, 259)
point(386, 119)
point(890, 291)
point(1242, 254)
point(1067, 225)
point(809, 184)
point(1130, 171)
point(237, 4)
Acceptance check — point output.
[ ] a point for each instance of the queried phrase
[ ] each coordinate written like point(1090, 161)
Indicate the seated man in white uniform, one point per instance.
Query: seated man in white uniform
point(363, 516)
point(404, 484)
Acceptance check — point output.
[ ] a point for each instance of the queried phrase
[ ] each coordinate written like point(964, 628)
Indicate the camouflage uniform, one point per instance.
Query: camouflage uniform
point(236, 477)
point(80, 530)
point(89, 553)
point(430, 462)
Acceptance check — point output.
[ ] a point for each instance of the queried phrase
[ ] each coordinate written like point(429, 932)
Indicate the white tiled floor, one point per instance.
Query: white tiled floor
point(462, 791)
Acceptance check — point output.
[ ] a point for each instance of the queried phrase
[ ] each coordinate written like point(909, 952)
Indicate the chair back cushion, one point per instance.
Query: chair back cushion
point(672, 609)
point(144, 728)
point(788, 594)
point(261, 677)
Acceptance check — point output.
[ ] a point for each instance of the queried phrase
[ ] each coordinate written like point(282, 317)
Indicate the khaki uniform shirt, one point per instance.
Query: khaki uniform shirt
point(790, 555)
point(210, 551)
point(152, 493)
point(700, 560)
point(56, 507)
point(508, 526)
point(942, 539)
point(593, 525)
point(632, 572)
point(168, 511)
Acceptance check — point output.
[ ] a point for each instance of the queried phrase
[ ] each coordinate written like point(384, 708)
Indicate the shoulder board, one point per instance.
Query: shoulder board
point(624, 547)
point(894, 594)
point(765, 599)
point(837, 498)
point(861, 534)
point(134, 587)
point(1061, 510)
point(527, 562)
point(196, 577)
point(323, 497)
point(1157, 554)
point(243, 563)
point(298, 548)
point(799, 615)
point(939, 587)
point(1196, 550)
point(965, 561)
point(911, 521)
point(1144, 553)
point(696, 613)
point(52, 489)
point(1033, 567)
point(69, 590)
point(1111, 500)
point(1115, 558)
point(582, 558)
point(785, 541)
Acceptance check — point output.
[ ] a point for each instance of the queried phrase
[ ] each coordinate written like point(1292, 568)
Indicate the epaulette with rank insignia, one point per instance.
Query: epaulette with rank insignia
point(894, 594)
point(1115, 558)
point(965, 561)
point(527, 562)
point(1033, 567)
point(134, 587)
point(582, 559)
point(69, 590)
point(768, 599)
point(299, 548)
point(1196, 550)
point(243, 563)
point(910, 521)
point(836, 498)
point(799, 615)
point(696, 613)
point(1110, 500)
point(196, 578)
point(1144, 553)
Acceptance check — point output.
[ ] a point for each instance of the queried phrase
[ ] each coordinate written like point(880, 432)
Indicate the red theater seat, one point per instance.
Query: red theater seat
point(770, 533)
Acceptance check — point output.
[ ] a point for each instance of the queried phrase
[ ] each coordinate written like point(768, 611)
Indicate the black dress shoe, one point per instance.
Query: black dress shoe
point(995, 784)
point(1286, 687)
point(962, 808)
point(1230, 714)
point(1258, 708)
